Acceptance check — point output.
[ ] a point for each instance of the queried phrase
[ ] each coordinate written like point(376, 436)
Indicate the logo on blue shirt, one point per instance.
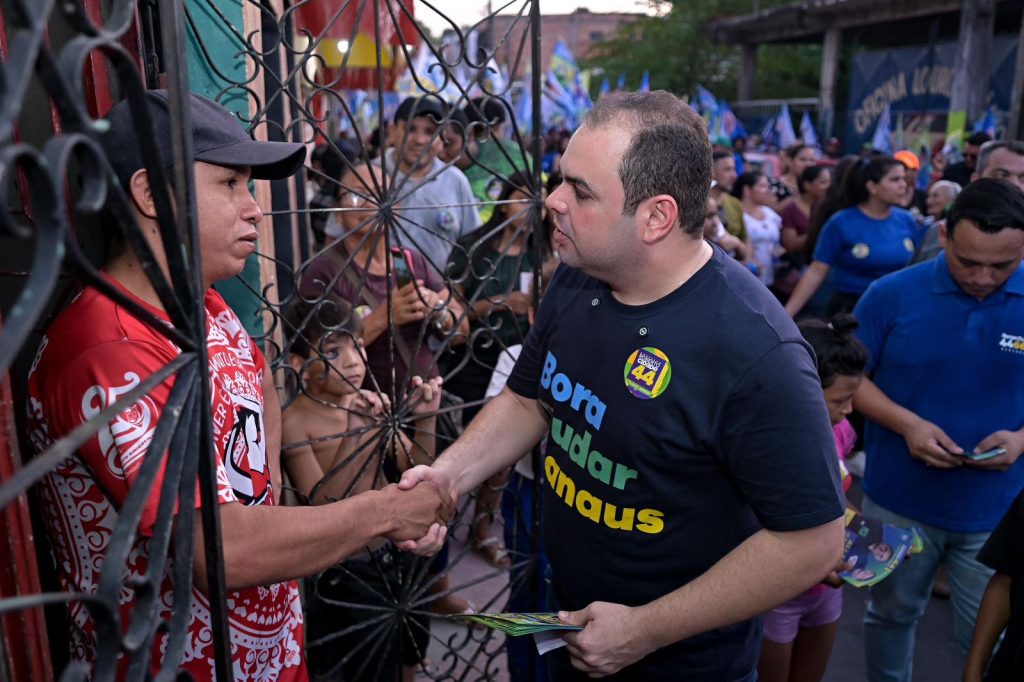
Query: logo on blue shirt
point(1012, 343)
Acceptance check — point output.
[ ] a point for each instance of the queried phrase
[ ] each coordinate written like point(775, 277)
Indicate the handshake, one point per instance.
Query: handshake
point(420, 507)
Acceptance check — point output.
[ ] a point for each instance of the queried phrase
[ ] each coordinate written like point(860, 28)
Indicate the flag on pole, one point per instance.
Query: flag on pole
point(987, 124)
point(784, 127)
point(645, 82)
point(524, 108)
point(563, 64)
point(768, 134)
point(807, 132)
point(620, 85)
point(725, 122)
point(882, 139)
point(706, 102)
point(605, 88)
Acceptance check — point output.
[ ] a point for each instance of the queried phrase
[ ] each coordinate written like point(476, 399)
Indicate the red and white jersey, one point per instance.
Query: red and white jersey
point(92, 354)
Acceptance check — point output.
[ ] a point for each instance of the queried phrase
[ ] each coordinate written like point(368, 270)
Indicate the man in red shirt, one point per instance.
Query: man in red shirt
point(99, 348)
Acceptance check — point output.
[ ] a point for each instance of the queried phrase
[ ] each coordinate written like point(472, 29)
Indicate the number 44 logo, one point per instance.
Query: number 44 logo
point(647, 373)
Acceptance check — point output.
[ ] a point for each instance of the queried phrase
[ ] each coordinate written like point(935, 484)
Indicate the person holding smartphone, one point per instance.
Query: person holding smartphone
point(945, 411)
point(360, 269)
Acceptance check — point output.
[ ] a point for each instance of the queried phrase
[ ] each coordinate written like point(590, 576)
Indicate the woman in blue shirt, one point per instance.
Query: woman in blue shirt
point(868, 238)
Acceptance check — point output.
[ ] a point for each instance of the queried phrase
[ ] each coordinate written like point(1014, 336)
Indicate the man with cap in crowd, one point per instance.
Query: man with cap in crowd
point(437, 204)
point(99, 348)
point(915, 198)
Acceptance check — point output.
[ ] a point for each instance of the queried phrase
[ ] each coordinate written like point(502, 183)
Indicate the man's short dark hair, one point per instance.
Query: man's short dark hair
point(978, 139)
point(719, 154)
point(311, 324)
point(990, 203)
point(669, 153)
point(1012, 146)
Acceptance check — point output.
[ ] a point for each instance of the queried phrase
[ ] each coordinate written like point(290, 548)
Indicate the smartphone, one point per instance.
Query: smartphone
point(401, 265)
point(982, 456)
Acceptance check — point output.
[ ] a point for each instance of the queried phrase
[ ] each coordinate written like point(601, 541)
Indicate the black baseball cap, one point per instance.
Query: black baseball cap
point(431, 106)
point(217, 138)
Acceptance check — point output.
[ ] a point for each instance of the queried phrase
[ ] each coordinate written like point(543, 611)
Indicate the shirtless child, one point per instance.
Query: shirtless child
point(338, 443)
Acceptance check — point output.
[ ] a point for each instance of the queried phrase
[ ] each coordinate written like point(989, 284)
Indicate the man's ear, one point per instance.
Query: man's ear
point(943, 234)
point(660, 216)
point(142, 196)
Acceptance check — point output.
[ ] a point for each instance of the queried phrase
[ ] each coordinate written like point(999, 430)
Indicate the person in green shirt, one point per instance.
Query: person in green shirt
point(495, 158)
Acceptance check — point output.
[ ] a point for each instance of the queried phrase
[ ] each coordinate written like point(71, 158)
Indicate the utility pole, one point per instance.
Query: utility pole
point(970, 79)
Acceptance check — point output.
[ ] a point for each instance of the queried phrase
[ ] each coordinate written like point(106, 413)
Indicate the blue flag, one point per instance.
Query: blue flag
point(784, 128)
point(768, 134)
point(987, 124)
point(524, 109)
point(620, 85)
point(645, 82)
point(706, 102)
point(882, 139)
point(807, 132)
point(605, 88)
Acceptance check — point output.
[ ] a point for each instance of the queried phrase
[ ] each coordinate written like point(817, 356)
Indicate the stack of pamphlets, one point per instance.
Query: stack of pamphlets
point(516, 624)
point(544, 627)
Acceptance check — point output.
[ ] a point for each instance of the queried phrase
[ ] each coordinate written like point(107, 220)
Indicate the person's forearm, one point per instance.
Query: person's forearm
point(993, 617)
point(507, 428)
point(374, 324)
point(765, 570)
point(292, 541)
point(808, 285)
point(792, 240)
point(424, 443)
point(875, 405)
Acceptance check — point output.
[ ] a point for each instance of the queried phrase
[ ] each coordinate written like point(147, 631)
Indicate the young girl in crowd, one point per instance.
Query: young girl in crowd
point(798, 635)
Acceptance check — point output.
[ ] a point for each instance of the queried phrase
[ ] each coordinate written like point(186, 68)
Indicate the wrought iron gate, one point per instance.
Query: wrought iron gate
point(332, 246)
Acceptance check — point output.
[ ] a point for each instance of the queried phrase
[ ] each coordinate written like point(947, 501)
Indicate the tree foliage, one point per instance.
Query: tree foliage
point(678, 50)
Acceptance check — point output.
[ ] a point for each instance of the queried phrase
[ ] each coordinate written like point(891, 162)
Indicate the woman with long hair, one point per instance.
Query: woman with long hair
point(761, 222)
point(795, 159)
point(868, 238)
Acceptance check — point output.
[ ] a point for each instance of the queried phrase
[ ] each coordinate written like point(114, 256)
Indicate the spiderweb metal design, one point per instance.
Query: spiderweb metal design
point(450, 198)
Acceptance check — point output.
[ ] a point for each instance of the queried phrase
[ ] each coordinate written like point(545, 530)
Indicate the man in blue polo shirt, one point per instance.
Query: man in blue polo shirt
point(946, 339)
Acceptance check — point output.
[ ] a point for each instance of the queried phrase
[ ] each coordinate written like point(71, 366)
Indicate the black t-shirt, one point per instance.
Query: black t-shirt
point(1004, 552)
point(678, 429)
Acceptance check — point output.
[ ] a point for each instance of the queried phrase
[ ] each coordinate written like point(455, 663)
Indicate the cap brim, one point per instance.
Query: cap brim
point(267, 160)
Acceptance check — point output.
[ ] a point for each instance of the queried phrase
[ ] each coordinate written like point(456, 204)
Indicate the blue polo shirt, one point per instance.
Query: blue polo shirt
point(957, 362)
point(860, 249)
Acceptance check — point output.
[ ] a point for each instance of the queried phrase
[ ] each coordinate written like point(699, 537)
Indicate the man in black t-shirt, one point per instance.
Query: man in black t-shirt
point(1002, 607)
point(690, 475)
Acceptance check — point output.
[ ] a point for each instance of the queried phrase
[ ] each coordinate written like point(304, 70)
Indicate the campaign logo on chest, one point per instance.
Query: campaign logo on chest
point(647, 373)
point(1012, 343)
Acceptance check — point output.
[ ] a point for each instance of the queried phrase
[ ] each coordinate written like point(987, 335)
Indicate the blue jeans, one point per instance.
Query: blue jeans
point(899, 601)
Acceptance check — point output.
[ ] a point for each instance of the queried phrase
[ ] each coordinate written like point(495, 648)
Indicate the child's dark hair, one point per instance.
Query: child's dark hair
point(310, 324)
point(839, 352)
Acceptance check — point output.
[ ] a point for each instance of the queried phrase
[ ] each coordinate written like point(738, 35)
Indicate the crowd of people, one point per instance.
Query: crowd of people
point(691, 504)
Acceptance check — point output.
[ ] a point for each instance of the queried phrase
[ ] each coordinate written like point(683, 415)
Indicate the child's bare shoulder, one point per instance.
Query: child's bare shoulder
point(305, 419)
